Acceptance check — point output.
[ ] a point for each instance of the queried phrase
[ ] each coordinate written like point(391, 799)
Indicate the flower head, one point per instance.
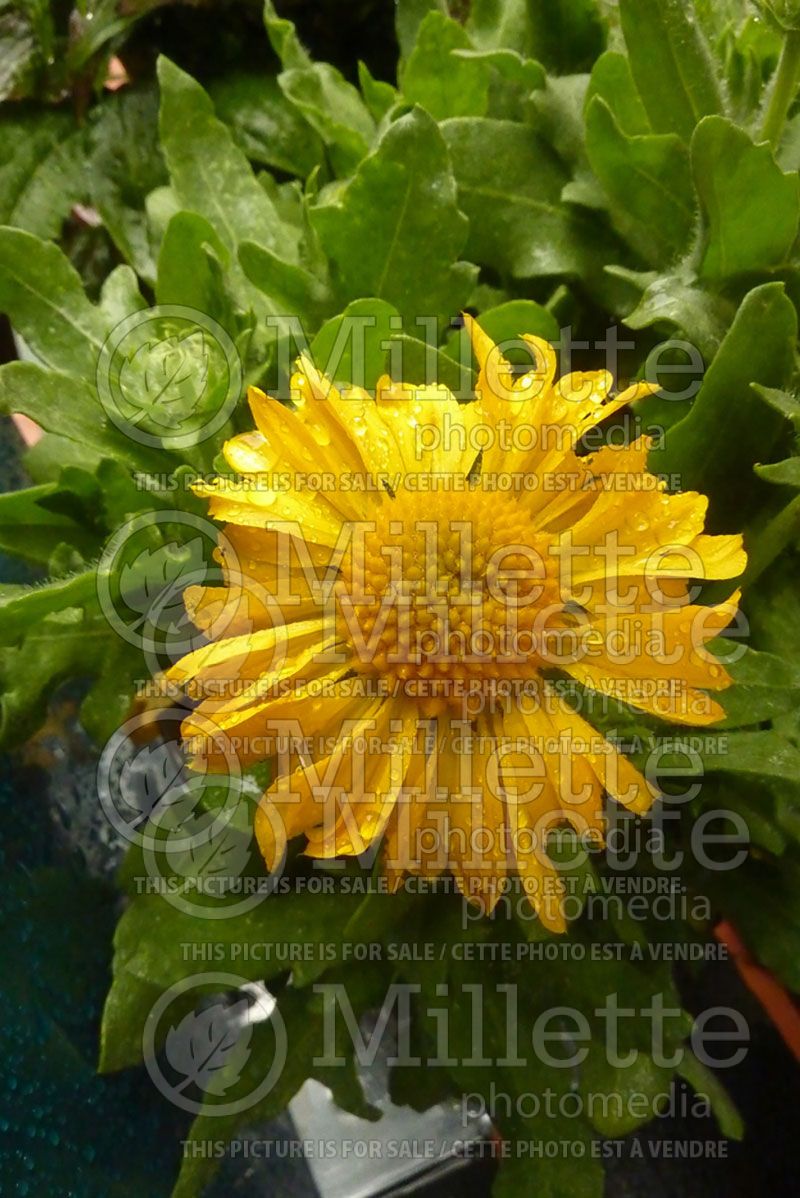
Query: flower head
point(419, 585)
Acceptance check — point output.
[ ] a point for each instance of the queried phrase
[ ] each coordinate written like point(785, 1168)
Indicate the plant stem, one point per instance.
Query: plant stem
point(784, 90)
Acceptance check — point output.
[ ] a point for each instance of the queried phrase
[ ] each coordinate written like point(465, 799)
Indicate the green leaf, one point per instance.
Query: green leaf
point(761, 810)
point(517, 317)
point(402, 196)
point(781, 401)
point(69, 407)
point(290, 288)
point(409, 15)
point(509, 185)
point(45, 460)
point(380, 97)
point(759, 756)
point(115, 673)
point(20, 53)
point(764, 685)
point(284, 40)
point(42, 170)
point(756, 51)
point(334, 109)
point(497, 24)
point(528, 74)
point(124, 165)
point(53, 643)
point(210, 174)
point(151, 931)
point(678, 302)
point(149, 935)
point(625, 1087)
point(120, 295)
point(718, 16)
point(559, 116)
point(773, 608)
point(265, 125)
point(787, 808)
point(750, 206)
point(513, 81)
point(612, 81)
point(671, 64)
point(788, 153)
point(128, 1003)
point(707, 1083)
point(442, 83)
point(43, 296)
point(333, 348)
point(783, 474)
point(715, 446)
point(566, 35)
point(649, 183)
point(21, 608)
point(88, 38)
point(190, 268)
point(32, 526)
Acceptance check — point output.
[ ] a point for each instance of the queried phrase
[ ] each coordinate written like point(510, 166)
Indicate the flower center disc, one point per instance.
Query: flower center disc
point(450, 591)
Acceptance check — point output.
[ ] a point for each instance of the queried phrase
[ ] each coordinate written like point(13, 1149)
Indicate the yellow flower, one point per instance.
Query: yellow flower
point(408, 583)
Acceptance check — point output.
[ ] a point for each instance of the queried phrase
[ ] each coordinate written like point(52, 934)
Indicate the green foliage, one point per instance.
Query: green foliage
point(671, 63)
point(736, 182)
point(715, 446)
point(435, 78)
point(648, 179)
point(509, 185)
point(402, 196)
point(208, 173)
